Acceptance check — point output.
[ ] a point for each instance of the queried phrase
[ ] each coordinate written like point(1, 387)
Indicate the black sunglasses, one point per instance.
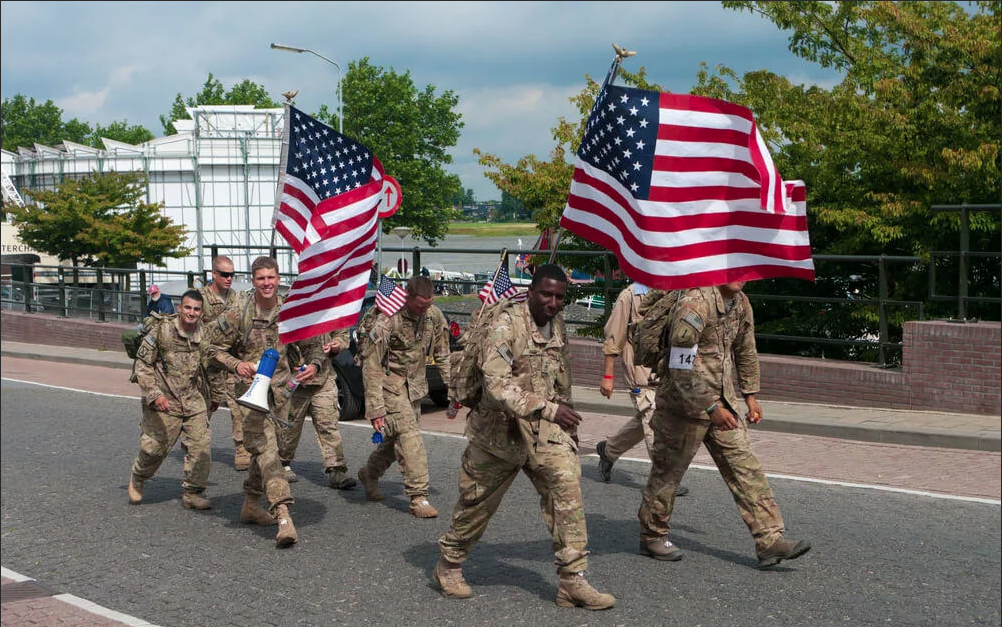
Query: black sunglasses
point(225, 275)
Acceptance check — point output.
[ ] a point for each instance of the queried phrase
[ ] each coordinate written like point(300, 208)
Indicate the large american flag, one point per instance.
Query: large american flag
point(390, 297)
point(500, 287)
point(326, 210)
point(683, 189)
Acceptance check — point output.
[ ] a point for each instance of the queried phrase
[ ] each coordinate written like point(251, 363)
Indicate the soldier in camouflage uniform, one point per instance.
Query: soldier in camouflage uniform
point(712, 336)
point(524, 421)
point(240, 336)
point(393, 371)
point(169, 371)
point(640, 380)
point(319, 399)
point(217, 297)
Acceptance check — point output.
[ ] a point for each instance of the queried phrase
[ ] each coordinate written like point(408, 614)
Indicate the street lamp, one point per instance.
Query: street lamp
point(340, 117)
point(402, 232)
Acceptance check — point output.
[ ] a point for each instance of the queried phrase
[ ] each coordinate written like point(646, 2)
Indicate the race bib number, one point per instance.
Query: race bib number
point(682, 358)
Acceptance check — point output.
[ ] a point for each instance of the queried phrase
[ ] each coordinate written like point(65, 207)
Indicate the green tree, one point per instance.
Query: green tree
point(213, 92)
point(410, 131)
point(121, 132)
point(24, 122)
point(99, 220)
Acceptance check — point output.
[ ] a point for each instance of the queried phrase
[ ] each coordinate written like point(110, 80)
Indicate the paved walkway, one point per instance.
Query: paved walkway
point(30, 603)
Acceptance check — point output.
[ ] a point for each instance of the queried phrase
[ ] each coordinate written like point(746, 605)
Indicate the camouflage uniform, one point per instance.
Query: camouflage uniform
point(319, 399)
point(247, 332)
point(169, 363)
point(221, 382)
point(723, 336)
point(512, 429)
point(618, 342)
point(393, 374)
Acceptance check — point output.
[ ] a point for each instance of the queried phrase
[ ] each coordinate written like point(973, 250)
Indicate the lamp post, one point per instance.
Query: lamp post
point(402, 232)
point(340, 117)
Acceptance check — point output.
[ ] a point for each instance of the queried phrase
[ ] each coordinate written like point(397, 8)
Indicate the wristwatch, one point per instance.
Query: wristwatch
point(712, 408)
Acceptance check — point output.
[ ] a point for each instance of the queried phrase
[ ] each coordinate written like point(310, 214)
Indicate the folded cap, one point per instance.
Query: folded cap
point(153, 289)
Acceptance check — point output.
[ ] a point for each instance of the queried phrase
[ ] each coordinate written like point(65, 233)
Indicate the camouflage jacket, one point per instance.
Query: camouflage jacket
point(298, 350)
point(618, 340)
point(395, 357)
point(213, 305)
point(243, 332)
point(710, 341)
point(515, 414)
point(169, 363)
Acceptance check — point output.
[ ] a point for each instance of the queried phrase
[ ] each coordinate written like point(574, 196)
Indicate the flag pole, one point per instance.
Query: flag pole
point(621, 53)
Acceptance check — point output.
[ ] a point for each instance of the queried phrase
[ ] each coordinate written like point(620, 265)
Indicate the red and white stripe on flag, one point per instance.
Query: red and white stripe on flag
point(684, 191)
point(500, 287)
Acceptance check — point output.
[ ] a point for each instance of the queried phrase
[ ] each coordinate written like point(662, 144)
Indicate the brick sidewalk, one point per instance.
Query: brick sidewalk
point(29, 603)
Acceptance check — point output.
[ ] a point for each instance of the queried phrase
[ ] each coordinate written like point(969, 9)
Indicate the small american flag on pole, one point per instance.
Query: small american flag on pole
point(683, 189)
point(327, 211)
point(390, 297)
point(500, 287)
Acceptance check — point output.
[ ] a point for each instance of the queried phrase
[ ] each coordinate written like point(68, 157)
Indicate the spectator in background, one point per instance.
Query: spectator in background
point(158, 303)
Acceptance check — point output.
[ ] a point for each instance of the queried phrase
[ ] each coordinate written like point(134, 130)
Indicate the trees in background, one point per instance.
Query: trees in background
point(246, 92)
point(25, 123)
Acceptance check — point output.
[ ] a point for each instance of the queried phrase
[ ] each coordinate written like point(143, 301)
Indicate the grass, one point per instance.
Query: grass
point(494, 229)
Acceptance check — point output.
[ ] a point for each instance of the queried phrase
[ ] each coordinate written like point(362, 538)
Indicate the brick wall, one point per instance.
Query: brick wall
point(947, 366)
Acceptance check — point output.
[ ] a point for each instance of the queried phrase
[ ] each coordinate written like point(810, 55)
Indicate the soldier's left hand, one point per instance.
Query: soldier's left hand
point(754, 414)
point(306, 375)
point(566, 416)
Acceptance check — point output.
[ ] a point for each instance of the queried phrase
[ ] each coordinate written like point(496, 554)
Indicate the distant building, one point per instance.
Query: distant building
point(217, 176)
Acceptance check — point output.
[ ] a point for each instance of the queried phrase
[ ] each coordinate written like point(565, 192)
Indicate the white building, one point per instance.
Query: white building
point(217, 176)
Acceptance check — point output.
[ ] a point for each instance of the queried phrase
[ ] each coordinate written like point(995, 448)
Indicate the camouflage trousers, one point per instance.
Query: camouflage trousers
point(265, 476)
point(483, 481)
point(321, 404)
point(222, 384)
point(159, 432)
point(637, 428)
point(402, 443)
point(676, 441)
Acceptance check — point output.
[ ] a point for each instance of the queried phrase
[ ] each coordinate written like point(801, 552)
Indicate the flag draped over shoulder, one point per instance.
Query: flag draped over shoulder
point(500, 287)
point(390, 297)
point(327, 210)
point(683, 189)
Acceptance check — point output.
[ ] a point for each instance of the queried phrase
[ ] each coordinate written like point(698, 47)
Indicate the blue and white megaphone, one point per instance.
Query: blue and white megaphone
point(256, 396)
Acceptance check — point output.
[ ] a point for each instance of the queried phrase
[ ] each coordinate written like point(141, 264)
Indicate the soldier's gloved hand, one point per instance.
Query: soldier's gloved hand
point(723, 419)
point(566, 416)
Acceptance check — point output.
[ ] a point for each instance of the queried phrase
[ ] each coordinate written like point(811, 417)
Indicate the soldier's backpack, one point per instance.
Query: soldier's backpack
point(363, 340)
point(149, 324)
point(466, 379)
point(650, 333)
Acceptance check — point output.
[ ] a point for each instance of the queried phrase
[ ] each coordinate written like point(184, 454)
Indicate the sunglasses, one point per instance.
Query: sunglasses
point(225, 275)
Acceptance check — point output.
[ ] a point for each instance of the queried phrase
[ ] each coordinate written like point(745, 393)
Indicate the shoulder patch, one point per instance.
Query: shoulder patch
point(694, 320)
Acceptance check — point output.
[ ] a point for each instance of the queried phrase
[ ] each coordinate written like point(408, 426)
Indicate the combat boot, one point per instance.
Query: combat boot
point(340, 480)
point(660, 549)
point(195, 500)
point(290, 476)
point(574, 590)
point(421, 508)
point(286, 535)
point(604, 463)
point(135, 490)
point(782, 549)
point(241, 457)
point(449, 578)
point(371, 485)
point(253, 514)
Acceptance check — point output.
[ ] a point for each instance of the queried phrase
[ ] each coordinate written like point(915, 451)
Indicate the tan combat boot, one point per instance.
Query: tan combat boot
point(449, 578)
point(421, 508)
point(253, 514)
point(135, 490)
point(782, 549)
point(339, 479)
point(241, 457)
point(286, 535)
point(574, 590)
point(195, 500)
point(371, 485)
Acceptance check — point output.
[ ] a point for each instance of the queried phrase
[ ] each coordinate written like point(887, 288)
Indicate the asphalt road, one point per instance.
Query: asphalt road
point(879, 557)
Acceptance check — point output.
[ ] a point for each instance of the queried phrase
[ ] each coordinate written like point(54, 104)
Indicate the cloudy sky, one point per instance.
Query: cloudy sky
point(513, 64)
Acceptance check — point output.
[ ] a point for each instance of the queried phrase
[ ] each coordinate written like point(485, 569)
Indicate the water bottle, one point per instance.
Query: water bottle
point(293, 384)
point(453, 410)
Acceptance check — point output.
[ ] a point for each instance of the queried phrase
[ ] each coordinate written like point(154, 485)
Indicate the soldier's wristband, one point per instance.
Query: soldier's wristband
point(712, 408)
